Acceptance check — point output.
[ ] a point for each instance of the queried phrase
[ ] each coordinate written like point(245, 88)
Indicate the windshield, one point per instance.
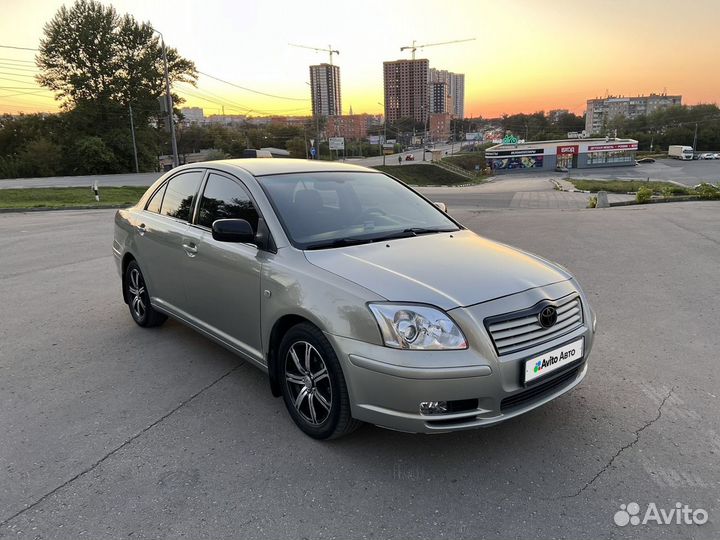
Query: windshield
point(331, 209)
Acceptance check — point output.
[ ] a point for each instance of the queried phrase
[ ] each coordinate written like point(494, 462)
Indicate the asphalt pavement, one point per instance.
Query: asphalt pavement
point(110, 430)
point(689, 173)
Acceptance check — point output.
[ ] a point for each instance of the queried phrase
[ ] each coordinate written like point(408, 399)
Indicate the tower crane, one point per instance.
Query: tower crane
point(414, 47)
point(329, 50)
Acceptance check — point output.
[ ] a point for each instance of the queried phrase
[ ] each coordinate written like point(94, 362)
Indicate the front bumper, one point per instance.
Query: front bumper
point(386, 386)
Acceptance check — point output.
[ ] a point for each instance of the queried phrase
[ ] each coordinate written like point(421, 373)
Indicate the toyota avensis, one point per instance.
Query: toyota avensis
point(360, 299)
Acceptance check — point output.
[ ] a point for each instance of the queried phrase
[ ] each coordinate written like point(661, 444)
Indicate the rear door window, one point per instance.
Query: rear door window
point(180, 194)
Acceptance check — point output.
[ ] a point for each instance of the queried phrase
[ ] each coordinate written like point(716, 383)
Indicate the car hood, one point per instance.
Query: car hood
point(447, 270)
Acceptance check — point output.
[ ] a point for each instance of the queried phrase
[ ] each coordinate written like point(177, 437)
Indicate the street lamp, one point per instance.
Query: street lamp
point(168, 98)
point(382, 148)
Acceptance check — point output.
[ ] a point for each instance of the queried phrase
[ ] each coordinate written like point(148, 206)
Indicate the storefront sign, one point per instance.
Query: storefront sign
point(526, 152)
point(623, 146)
point(567, 149)
point(510, 139)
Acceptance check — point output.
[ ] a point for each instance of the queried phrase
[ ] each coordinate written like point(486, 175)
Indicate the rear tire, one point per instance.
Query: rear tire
point(138, 298)
point(313, 385)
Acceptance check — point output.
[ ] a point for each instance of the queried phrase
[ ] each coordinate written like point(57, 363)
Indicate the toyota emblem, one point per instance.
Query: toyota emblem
point(547, 317)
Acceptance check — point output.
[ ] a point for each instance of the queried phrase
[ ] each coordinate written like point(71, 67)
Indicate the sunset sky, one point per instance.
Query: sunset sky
point(527, 55)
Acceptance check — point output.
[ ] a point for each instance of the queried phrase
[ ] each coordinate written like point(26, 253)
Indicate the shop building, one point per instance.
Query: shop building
point(568, 153)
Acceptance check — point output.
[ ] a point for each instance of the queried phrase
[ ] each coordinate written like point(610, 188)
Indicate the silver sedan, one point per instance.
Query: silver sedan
point(360, 299)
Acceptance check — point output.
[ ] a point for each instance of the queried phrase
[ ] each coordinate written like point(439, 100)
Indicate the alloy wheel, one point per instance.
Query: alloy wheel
point(308, 382)
point(136, 288)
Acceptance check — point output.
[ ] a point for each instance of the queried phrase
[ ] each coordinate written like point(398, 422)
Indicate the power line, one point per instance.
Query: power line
point(219, 100)
point(199, 72)
point(19, 87)
point(13, 80)
point(16, 67)
point(32, 93)
point(250, 89)
point(18, 60)
point(17, 48)
point(16, 74)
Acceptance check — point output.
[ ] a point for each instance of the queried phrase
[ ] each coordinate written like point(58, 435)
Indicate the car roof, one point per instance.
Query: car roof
point(268, 166)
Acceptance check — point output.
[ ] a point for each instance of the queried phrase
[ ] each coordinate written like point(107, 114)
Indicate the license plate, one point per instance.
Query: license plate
point(553, 360)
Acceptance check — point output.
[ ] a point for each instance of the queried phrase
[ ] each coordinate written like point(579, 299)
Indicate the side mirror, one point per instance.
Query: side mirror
point(442, 206)
point(233, 230)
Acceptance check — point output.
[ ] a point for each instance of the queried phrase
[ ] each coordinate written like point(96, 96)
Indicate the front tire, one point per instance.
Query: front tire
point(138, 298)
point(313, 385)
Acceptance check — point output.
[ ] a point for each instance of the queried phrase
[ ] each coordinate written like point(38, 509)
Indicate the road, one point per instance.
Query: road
point(686, 172)
point(145, 179)
point(110, 430)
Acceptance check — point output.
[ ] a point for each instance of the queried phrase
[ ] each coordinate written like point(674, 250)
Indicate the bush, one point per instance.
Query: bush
point(9, 167)
point(643, 195)
point(468, 161)
point(707, 191)
point(215, 155)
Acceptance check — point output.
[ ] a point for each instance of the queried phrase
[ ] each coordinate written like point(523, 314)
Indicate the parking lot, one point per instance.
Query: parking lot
point(689, 173)
point(110, 430)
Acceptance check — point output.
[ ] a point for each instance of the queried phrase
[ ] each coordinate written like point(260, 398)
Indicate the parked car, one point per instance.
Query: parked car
point(707, 155)
point(410, 157)
point(645, 160)
point(716, 155)
point(358, 297)
point(561, 169)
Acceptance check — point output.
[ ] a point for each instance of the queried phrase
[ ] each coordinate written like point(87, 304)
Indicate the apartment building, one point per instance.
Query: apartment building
point(601, 110)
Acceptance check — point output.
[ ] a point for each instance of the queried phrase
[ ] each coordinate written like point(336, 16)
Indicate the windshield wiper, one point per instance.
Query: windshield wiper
point(413, 231)
point(339, 242)
point(405, 233)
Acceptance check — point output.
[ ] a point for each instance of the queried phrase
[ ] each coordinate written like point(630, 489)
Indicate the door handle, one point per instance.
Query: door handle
point(190, 249)
point(141, 229)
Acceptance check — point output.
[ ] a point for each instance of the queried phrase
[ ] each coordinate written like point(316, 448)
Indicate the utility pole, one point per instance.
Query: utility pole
point(317, 140)
point(695, 139)
point(454, 136)
point(132, 131)
point(382, 146)
point(425, 130)
point(169, 101)
point(305, 141)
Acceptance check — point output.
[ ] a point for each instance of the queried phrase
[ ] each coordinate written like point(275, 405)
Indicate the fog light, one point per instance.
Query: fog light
point(433, 407)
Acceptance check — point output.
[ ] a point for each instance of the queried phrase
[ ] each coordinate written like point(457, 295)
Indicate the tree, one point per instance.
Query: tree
point(90, 155)
point(99, 63)
point(40, 157)
point(90, 53)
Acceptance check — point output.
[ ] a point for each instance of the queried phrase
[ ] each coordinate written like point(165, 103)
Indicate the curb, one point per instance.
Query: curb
point(660, 201)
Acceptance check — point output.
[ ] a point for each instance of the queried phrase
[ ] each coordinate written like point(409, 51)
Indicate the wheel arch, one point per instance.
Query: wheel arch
point(279, 329)
point(126, 260)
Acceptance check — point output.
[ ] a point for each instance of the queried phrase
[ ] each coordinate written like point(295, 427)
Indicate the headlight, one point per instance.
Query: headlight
point(417, 327)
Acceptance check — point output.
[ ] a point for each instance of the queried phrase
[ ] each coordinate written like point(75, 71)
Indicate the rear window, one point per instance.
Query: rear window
point(180, 194)
point(156, 200)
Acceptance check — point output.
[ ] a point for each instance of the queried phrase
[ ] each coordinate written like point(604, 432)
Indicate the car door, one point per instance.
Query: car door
point(223, 279)
point(163, 236)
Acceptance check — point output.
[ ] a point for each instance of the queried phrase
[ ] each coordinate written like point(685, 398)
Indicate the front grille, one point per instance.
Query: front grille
point(537, 392)
point(522, 330)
